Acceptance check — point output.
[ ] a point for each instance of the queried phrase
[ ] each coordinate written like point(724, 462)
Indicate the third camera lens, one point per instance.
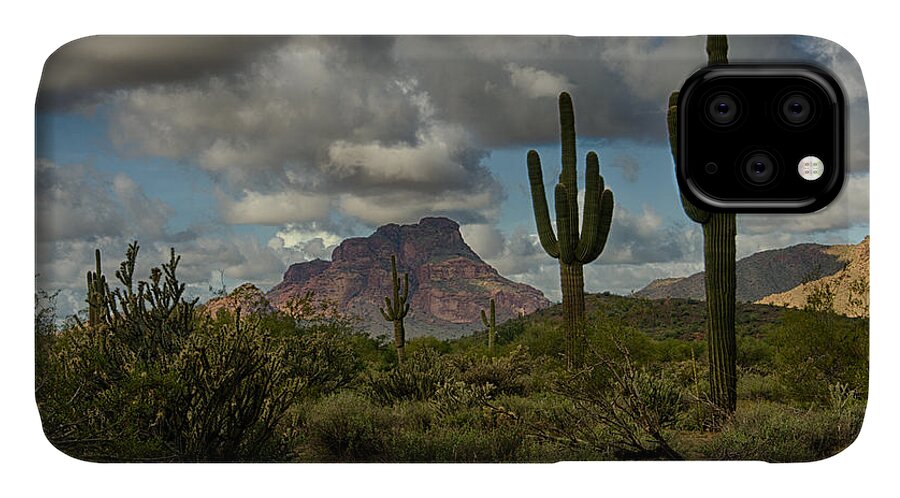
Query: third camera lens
point(760, 168)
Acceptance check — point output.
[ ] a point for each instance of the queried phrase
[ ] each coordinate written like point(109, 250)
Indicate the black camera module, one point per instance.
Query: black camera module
point(797, 109)
point(760, 168)
point(722, 109)
point(742, 130)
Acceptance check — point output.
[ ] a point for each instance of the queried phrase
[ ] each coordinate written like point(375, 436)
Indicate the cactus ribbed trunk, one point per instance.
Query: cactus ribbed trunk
point(572, 280)
point(719, 254)
point(399, 340)
point(719, 231)
point(490, 321)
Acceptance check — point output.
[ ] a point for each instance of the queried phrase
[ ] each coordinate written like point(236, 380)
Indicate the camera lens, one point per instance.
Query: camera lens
point(797, 109)
point(760, 168)
point(722, 109)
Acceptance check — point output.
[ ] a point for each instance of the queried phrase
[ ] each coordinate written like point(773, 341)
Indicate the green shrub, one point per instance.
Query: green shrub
point(507, 374)
point(758, 387)
point(620, 408)
point(417, 378)
point(753, 352)
point(347, 427)
point(778, 433)
point(147, 379)
point(458, 443)
point(815, 349)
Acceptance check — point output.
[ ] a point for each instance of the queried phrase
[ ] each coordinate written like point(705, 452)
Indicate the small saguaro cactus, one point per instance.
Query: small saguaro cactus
point(719, 231)
point(97, 292)
point(573, 248)
point(491, 324)
point(395, 309)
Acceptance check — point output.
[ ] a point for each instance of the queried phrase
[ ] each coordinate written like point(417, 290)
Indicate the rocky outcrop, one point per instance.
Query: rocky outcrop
point(848, 289)
point(448, 283)
point(247, 297)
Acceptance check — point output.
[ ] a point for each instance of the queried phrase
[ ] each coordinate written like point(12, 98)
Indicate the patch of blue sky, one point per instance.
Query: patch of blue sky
point(633, 191)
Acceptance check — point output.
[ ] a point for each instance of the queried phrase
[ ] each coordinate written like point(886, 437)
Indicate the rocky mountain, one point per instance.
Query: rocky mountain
point(759, 275)
point(247, 297)
point(849, 286)
point(448, 283)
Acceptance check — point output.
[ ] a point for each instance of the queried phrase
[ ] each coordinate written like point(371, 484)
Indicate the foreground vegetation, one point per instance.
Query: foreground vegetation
point(151, 377)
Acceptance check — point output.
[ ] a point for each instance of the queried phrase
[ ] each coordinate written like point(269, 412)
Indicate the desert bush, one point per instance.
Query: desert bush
point(756, 386)
point(775, 432)
point(147, 379)
point(507, 374)
point(753, 353)
point(815, 349)
point(624, 411)
point(453, 400)
point(457, 443)
point(325, 356)
point(542, 339)
point(417, 378)
point(347, 427)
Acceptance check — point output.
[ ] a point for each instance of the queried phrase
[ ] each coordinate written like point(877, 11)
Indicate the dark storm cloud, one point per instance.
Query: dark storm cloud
point(299, 132)
point(82, 71)
point(505, 89)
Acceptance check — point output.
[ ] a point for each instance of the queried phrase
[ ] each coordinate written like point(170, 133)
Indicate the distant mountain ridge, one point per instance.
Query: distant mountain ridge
point(758, 275)
point(449, 283)
point(849, 286)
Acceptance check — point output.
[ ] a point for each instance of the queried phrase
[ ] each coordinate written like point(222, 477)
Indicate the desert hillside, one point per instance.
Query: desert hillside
point(849, 286)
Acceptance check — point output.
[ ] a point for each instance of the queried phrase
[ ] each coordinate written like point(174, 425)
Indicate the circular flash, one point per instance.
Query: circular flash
point(811, 168)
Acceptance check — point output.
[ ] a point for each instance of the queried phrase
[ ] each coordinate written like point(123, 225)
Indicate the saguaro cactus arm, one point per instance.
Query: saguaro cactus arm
point(693, 212)
point(539, 202)
point(397, 308)
point(598, 208)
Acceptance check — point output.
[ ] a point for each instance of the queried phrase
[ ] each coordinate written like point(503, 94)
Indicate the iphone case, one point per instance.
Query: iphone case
point(428, 249)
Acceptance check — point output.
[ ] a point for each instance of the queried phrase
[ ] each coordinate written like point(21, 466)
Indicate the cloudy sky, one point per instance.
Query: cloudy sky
point(247, 154)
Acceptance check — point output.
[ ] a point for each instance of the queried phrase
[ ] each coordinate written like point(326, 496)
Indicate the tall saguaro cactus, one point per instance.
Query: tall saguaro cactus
point(395, 309)
point(97, 292)
point(573, 248)
point(491, 324)
point(719, 231)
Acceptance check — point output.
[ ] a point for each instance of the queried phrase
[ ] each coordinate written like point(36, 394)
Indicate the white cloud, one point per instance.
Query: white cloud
point(849, 209)
point(652, 68)
point(276, 208)
point(410, 207)
point(304, 242)
point(78, 201)
point(485, 239)
point(536, 83)
point(429, 163)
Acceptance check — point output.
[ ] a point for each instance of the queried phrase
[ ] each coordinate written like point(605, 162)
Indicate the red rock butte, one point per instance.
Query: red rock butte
point(449, 283)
